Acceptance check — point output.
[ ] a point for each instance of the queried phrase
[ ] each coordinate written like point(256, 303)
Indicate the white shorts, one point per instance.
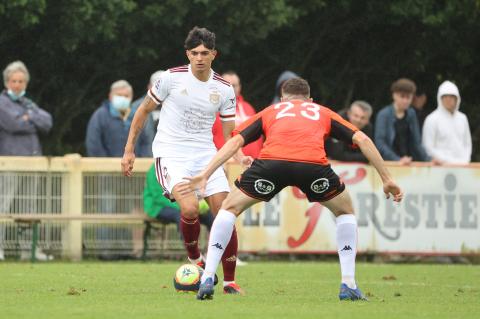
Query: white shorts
point(172, 170)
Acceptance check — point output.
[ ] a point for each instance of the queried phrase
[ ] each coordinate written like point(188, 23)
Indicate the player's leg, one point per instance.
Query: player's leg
point(222, 229)
point(341, 206)
point(170, 172)
point(321, 184)
point(189, 225)
point(229, 256)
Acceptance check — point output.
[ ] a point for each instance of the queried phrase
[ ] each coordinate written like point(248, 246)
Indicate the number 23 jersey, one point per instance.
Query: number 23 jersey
point(295, 131)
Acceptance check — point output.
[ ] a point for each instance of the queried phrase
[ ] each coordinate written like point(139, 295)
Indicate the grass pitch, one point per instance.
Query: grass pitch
point(274, 290)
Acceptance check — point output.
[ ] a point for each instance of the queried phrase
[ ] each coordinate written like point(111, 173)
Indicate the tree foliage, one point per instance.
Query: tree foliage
point(347, 49)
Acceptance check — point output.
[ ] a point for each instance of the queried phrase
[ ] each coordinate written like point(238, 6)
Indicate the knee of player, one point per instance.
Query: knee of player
point(230, 208)
point(189, 211)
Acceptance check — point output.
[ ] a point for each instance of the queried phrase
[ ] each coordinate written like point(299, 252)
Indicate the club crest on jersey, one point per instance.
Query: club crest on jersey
point(214, 98)
point(320, 185)
point(262, 186)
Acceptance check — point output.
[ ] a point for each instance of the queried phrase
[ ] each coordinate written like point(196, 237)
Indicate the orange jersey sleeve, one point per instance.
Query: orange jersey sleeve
point(295, 131)
point(252, 129)
point(340, 128)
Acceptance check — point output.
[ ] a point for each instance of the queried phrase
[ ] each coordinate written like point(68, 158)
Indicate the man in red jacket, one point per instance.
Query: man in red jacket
point(244, 111)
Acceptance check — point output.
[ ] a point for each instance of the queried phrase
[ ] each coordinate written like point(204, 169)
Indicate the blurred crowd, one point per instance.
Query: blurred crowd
point(402, 131)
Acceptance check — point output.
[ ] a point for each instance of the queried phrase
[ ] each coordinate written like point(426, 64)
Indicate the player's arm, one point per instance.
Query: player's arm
point(227, 129)
point(246, 133)
point(139, 119)
point(373, 155)
point(344, 130)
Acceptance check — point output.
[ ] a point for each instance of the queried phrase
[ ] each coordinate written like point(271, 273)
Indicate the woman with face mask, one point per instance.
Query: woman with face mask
point(20, 118)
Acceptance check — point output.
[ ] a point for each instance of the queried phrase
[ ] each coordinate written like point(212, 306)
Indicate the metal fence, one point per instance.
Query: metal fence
point(73, 186)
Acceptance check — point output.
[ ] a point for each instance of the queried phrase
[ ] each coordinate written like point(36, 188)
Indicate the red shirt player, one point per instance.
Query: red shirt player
point(243, 112)
point(293, 154)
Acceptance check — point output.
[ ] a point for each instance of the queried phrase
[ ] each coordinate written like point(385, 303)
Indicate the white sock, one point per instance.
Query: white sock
point(220, 235)
point(347, 247)
point(226, 283)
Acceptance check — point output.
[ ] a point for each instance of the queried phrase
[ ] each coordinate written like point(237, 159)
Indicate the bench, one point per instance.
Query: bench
point(33, 220)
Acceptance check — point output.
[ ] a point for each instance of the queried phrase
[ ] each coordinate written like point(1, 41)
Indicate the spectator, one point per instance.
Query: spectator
point(358, 114)
point(108, 128)
point(152, 121)
point(21, 120)
point(446, 134)
point(157, 206)
point(286, 75)
point(397, 134)
point(107, 134)
point(243, 112)
point(419, 103)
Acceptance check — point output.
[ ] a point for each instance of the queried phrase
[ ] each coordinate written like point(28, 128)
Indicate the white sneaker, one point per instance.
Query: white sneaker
point(241, 262)
point(39, 255)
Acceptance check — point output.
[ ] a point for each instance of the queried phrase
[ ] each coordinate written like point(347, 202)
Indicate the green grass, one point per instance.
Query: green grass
point(274, 290)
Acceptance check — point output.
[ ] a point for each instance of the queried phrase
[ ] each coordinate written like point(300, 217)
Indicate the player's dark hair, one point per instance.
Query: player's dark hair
point(198, 36)
point(403, 86)
point(296, 86)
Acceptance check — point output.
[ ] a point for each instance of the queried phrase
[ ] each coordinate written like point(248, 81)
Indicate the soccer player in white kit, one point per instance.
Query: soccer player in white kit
point(190, 95)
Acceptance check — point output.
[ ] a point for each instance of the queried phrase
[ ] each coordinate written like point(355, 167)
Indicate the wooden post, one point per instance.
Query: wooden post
point(72, 206)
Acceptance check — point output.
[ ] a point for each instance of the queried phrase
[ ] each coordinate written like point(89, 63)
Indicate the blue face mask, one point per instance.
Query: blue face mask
point(14, 96)
point(120, 103)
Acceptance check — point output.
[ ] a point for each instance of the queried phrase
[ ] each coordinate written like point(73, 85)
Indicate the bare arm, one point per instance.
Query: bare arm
point(227, 128)
point(139, 119)
point(373, 155)
point(224, 154)
point(138, 122)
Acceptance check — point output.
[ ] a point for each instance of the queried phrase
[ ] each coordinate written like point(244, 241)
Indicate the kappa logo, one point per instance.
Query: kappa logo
point(347, 247)
point(320, 185)
point(232, 101)
point(263, 186)
point(217, 245)
point(184, 92)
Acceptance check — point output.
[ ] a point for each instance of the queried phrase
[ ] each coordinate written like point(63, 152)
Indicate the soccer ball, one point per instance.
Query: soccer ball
point(187, 278)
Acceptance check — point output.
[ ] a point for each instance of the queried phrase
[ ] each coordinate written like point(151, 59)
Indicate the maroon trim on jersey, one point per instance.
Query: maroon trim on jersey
point(156, 99)
point(221, 80)
point(227, 116)
point(178, 67)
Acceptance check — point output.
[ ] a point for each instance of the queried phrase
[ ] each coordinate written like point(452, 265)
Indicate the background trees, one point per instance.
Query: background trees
point(347, 49)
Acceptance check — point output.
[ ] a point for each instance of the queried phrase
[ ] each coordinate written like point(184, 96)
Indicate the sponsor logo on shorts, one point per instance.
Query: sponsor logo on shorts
point(320, 185)
point(262, 186)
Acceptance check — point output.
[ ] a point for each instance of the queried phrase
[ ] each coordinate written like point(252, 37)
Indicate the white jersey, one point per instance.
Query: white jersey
point(189, 108)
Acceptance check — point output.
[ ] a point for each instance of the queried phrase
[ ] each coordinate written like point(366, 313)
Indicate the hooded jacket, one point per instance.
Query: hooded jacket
point(286, 75)
point(446, 136)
